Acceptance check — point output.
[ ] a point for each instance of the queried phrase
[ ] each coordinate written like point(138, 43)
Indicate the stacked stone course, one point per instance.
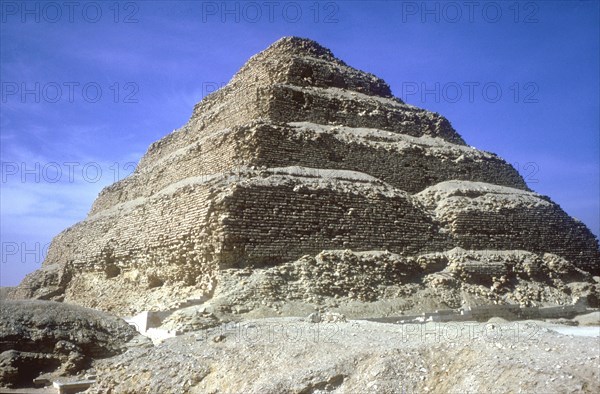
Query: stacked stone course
point(299, 153)
point(408, 163)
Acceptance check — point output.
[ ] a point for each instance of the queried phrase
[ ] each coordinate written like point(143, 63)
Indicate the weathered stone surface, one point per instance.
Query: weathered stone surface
point(408, 163)
point(484, 216)
point(200, 225)
point(326, 91)
point(45, 336)
point(300, 154)
point(375, 283)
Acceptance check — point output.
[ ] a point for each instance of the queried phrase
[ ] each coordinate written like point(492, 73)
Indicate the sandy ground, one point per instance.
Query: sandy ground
point(291, 355)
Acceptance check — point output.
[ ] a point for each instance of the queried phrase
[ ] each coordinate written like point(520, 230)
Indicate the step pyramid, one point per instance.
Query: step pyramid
point(300, 153)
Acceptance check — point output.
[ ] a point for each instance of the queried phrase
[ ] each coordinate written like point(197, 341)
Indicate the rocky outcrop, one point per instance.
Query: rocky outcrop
point(299, 154)
point(49, 337)
point(375, 284)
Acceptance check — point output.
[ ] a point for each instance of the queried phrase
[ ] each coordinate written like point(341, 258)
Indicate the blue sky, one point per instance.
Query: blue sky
point(87, 88)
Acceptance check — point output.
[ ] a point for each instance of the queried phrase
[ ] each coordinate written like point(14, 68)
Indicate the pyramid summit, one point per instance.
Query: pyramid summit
point(302, 175)
point(304, 62)
point(298, 80)
point(299, 46)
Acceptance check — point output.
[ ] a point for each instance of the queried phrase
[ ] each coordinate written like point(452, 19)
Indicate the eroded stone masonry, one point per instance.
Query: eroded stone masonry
point(300, 154)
